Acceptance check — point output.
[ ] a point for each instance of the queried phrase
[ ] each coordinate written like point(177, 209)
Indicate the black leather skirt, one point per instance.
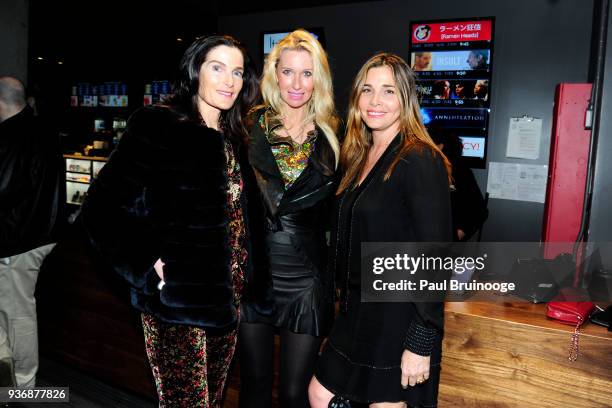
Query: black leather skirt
point(302, 293)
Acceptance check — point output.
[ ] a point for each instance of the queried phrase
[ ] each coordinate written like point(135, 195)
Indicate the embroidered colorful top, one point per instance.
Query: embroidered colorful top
point(237, 229)
point(291, 157)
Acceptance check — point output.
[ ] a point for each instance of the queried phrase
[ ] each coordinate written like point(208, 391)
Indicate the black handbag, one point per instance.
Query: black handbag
point(603, 318)
point(600, 285)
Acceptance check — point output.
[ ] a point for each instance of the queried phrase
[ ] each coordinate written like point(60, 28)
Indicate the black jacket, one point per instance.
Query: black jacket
point(413, 205)
point(312, 186)
point(295, 221)
point(162, 194)
point(31, 184)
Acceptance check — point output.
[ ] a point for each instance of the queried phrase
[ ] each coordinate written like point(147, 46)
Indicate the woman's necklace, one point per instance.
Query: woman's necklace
point(300, 137)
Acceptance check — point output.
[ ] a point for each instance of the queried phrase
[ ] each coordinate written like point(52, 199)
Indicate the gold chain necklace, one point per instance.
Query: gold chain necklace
point(300, 135)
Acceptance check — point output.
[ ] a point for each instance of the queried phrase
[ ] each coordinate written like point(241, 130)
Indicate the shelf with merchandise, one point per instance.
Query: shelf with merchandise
point(80, 172)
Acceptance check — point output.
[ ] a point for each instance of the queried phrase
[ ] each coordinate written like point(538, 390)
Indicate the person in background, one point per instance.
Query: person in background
point(168, 213)
point(31, 199)
point(477, 59)
point(441, 89)
point(468, 205)
point(481, 90)
point(463, 89)
point(293, 151)
point(422, 61)
point(394, 188)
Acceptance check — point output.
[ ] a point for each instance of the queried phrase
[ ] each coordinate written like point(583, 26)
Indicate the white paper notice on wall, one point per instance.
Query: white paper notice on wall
point(524, 136)
point(513, 181)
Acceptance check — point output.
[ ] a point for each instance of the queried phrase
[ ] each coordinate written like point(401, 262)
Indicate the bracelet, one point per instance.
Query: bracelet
point(420, 339)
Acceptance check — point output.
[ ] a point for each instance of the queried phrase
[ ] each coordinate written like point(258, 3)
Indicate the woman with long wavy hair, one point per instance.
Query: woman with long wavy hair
point(394, 188)
point(293, 151)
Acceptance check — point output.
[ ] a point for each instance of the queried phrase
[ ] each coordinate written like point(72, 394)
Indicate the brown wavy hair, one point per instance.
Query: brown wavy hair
point(413, 134)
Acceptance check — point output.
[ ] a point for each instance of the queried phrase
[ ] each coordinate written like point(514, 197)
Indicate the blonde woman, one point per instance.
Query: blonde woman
point(293, 151)
point(394, 188)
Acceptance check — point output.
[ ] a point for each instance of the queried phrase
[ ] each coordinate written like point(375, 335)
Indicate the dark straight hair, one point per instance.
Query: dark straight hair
point(185, 92)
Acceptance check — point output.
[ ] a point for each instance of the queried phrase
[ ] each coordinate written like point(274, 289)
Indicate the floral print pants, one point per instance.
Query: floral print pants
point(189, 367)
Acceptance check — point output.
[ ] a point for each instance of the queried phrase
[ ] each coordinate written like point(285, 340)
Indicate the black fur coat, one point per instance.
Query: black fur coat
point(163, 195)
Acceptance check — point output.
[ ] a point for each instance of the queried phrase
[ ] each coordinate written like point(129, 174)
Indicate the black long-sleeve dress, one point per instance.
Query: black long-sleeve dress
point(361, 361)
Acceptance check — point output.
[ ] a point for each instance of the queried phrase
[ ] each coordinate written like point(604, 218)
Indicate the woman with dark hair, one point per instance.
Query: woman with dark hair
point(293, 151)
point(394, 188)
point(168, 213)
point(463, 89)
point(441, 89)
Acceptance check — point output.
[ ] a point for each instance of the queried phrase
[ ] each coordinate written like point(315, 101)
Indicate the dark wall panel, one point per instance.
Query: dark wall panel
point(601, 211)
point(14, 38)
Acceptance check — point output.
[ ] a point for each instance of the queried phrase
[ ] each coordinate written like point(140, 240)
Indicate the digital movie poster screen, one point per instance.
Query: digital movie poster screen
point(270, 38)
point(452, 60)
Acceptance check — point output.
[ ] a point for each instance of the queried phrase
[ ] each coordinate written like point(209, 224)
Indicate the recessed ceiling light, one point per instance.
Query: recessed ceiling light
point(40, 58)
point(179, 39)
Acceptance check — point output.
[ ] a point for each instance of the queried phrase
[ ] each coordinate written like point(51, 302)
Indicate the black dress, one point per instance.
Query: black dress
point(295, 222)
point(361, 361)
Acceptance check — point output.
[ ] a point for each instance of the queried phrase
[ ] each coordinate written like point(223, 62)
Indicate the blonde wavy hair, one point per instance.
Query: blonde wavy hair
point(413, 133)
point(320, 107)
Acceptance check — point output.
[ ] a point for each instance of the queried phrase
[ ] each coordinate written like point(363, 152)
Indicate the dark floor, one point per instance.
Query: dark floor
point(88, 392)
point(85, 391)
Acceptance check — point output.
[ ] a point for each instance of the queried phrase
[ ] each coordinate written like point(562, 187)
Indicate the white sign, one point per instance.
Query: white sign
point(524, 136)
point(473, 146)
point(270, 40)
point(522, 182)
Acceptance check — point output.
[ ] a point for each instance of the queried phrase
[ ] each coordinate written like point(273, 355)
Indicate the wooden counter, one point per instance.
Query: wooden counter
point(511, 355)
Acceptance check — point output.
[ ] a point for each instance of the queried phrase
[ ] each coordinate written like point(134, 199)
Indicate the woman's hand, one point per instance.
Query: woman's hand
point(159, 268)
point(415, 369)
